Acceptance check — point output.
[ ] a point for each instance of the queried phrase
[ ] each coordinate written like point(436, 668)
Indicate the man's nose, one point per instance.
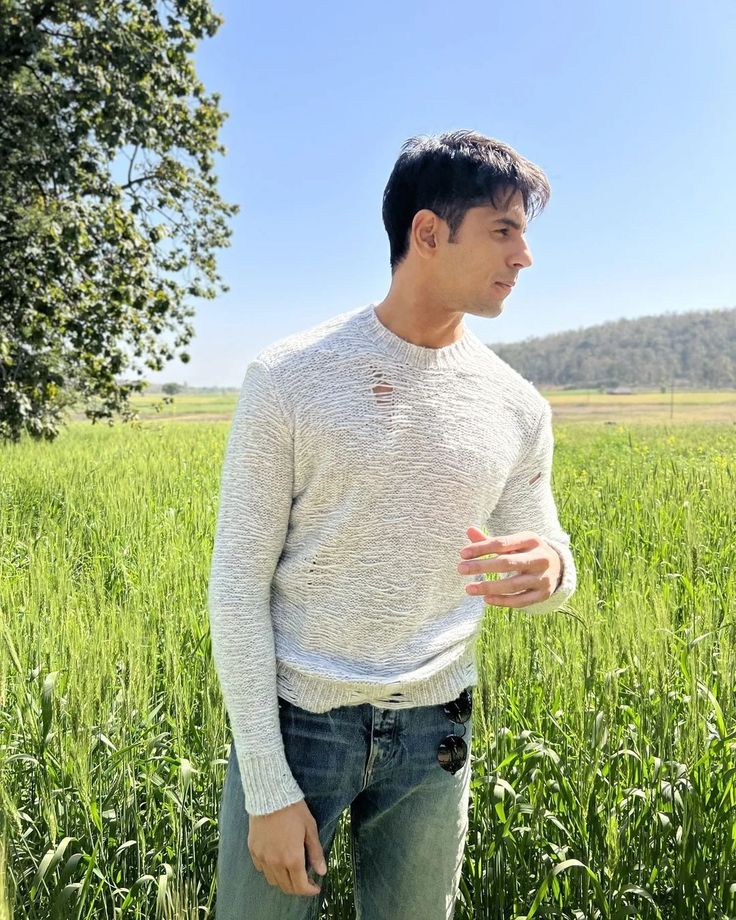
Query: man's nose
point(523, 257)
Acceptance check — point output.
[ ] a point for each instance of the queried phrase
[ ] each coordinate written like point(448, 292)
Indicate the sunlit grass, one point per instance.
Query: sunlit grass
point(604, 751)
point(652, 407)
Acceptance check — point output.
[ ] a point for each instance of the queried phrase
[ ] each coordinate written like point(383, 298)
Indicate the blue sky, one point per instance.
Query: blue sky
point(628, 107)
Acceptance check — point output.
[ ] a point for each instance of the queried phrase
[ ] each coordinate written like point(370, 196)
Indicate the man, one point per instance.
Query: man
point(363, 456)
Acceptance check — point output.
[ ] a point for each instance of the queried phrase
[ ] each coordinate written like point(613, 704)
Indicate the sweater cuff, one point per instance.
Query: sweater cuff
point(568, 581)
point(268, 783)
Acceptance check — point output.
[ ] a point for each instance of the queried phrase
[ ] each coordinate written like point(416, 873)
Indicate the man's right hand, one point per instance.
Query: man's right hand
point(277, 842)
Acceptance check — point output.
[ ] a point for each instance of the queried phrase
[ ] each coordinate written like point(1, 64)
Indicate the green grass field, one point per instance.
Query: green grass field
point(681, 407)
point(604, 750)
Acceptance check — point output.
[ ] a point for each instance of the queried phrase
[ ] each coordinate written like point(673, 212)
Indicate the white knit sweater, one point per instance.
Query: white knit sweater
point(355, 463)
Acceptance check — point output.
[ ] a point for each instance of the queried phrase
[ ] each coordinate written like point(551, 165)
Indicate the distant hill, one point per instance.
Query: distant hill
point(695, 349)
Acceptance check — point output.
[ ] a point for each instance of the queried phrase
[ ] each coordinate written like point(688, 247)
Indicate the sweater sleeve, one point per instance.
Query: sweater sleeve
point(255, 502)
point(527, 503)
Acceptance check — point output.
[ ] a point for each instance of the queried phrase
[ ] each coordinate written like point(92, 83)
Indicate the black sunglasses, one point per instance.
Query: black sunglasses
point(453, 751)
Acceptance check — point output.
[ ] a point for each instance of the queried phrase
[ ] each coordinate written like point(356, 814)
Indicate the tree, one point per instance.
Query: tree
point(92, 267)
point(171, 389)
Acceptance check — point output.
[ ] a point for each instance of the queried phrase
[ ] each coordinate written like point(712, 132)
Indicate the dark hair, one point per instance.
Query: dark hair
point(450, 173)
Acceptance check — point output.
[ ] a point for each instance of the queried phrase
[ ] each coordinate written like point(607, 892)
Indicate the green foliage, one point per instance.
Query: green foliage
point(695, 349)
point(94, 270)
point(604, 743)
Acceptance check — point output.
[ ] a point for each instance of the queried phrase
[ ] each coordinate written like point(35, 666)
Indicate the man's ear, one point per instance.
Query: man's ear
point(424, 229)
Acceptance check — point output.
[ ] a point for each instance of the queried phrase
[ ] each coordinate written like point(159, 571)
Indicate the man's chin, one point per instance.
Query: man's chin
point(487, 308)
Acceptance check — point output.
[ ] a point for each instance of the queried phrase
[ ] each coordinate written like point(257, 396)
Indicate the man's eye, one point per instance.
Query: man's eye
point(502, 231)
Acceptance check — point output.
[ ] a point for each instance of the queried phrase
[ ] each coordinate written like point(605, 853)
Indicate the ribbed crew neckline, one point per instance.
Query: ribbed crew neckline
point(453, 355)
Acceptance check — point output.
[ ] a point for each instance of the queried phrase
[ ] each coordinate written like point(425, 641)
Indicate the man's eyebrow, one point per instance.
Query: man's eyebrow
point(511, 223)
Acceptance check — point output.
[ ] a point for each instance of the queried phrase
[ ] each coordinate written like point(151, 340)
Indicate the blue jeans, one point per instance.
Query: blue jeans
point(408, 816)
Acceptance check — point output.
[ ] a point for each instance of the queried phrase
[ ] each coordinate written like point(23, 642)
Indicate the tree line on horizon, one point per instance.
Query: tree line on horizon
point(696, 350)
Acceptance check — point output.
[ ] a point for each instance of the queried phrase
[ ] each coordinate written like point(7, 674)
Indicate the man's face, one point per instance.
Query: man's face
point(489, 248)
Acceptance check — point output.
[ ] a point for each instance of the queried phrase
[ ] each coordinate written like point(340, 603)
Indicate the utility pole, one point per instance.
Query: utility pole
point(672, 397)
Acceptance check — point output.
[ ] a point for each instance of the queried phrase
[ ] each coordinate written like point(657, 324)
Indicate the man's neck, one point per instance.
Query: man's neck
point(414, 320)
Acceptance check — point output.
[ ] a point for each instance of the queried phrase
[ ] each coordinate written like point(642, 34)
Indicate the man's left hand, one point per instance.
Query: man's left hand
point(537, 568)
